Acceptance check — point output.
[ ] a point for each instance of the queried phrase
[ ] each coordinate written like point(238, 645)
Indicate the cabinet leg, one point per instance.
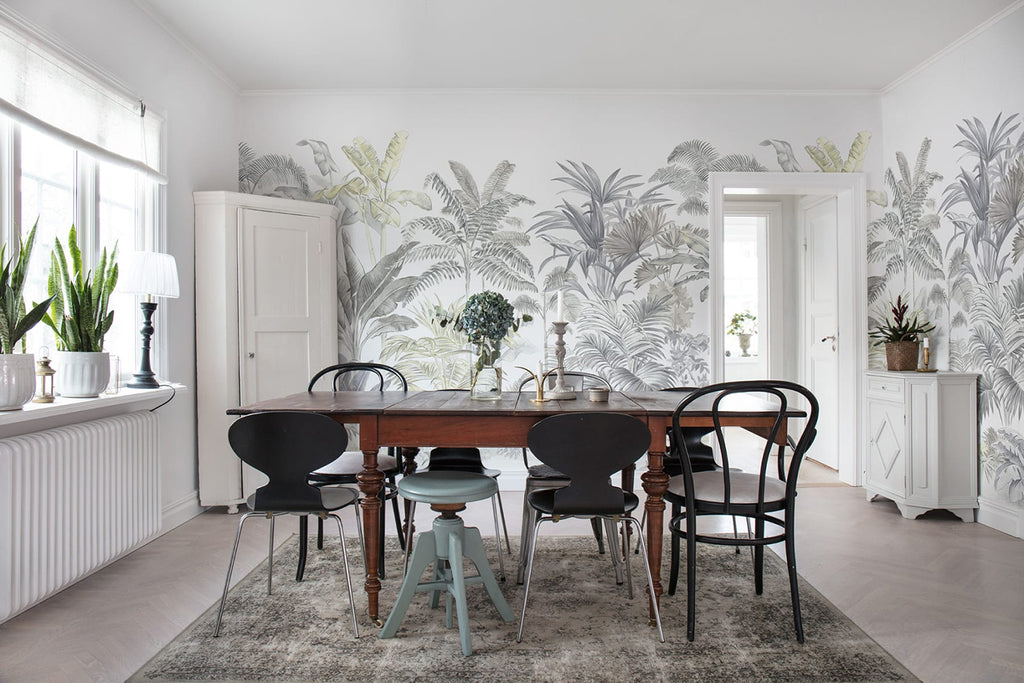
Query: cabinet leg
point(911, 511)
point(965, 514)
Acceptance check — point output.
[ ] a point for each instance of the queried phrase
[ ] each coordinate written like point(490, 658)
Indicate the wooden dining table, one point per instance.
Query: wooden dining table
point(412, 419)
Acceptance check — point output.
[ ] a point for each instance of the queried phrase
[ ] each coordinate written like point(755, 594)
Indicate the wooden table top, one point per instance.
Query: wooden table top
point(448, 402)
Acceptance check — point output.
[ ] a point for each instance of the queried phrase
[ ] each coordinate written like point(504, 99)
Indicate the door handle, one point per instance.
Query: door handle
point(833, 338)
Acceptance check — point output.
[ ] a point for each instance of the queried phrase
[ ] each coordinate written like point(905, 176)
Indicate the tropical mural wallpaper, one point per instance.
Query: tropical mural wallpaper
point(629, 249)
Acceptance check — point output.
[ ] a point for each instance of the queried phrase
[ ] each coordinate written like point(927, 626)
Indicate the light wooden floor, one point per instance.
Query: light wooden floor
point(944, 597)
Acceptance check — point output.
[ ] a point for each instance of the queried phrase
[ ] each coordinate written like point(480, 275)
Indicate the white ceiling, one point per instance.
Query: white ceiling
point(833, 45)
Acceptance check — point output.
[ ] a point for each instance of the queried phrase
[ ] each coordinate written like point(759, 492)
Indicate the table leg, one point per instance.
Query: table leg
point(371, 481)
point(655, 484)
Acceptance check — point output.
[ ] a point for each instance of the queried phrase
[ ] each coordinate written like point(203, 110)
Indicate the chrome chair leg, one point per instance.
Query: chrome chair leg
point(410, 515)
point(270, 558)
point(231, 566)
point(529, 572)
point(650, 579)
point(497, 537)
point(613, 549)
point(348, 577)
point(625, 560)
point(504, 526)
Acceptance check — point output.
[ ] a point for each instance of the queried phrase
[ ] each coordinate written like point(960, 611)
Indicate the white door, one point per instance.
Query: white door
point(281, 330)
point(818, 220)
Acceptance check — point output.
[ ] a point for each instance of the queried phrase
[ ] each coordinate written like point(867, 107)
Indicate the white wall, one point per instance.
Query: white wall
point(123, 41)
point(980, 77)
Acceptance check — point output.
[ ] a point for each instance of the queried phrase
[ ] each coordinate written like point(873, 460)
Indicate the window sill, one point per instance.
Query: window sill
point(35, 417)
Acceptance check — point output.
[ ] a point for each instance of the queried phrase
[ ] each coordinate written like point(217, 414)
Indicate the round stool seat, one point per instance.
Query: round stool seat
point(447, 487)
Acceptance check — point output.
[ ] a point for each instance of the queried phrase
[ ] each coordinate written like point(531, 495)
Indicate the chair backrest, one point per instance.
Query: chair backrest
point(574, 380)
point(777, 393)
point(286, 446)
point(694, 443)
point(353, 375)
point(455, 458)
point(589, 448)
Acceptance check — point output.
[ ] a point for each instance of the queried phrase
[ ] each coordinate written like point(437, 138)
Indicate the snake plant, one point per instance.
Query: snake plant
point(15, 322)
point(78, 313)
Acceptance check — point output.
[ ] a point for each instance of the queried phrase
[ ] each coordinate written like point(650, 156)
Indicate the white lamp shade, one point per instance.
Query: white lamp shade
point(150, 273)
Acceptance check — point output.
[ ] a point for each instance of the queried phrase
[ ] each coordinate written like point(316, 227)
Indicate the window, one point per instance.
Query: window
point(59, 186)
point(76, 148)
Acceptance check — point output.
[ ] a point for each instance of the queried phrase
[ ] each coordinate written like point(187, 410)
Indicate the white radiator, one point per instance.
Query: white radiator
point(73, 499)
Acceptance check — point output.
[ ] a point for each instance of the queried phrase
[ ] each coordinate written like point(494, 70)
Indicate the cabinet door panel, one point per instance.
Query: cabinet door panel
point(886, 453)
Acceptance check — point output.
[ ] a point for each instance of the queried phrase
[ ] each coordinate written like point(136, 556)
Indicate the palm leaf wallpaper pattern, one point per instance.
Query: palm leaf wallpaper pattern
point(632, 256)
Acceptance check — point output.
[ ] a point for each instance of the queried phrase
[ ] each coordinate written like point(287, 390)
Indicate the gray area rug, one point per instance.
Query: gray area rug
point(580, 627)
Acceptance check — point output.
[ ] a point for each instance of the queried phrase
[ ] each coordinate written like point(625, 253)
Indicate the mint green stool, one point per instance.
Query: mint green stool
point(450, 540)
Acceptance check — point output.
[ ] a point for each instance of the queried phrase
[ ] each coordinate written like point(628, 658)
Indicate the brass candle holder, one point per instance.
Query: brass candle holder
point(539, 380)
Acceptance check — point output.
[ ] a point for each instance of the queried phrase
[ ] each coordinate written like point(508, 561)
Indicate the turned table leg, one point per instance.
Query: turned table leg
point(371, 480)
point(655, 484)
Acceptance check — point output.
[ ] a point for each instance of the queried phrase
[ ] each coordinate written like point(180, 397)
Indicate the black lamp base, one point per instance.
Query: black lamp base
point(145, 378)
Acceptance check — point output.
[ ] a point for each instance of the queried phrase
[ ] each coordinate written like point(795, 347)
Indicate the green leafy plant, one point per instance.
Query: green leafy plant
point(78, 313)
point(15, 322)
point(744, 322)
point(899, 327)
point(487, 318)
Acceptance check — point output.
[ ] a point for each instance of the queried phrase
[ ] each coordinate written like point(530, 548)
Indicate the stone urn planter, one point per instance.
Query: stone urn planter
point(901, 355)
point(17, 380)
point(82, 374)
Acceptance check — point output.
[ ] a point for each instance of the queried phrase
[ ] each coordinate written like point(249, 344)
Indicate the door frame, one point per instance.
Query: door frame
point(851, 195)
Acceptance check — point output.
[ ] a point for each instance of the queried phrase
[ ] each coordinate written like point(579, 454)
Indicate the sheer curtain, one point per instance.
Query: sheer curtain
point(42, 86)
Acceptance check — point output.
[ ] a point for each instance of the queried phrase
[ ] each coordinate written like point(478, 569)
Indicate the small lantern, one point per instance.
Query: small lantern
point(44, 379)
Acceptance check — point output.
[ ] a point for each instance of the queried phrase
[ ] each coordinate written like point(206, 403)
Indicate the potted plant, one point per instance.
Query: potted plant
point(79, 318)
point(900, 333)
point(487, 318)
point(743, 325)
point(17, 370)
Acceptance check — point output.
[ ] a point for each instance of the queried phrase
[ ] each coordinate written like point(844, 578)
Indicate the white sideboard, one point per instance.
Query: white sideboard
point(922, 441)
point(266, 317)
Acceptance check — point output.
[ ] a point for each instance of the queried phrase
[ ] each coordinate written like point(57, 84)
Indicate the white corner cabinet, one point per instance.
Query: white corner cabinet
point(266, 317)
point(922, 441)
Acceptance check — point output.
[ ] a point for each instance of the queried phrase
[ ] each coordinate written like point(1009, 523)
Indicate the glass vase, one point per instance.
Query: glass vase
point(485, 377)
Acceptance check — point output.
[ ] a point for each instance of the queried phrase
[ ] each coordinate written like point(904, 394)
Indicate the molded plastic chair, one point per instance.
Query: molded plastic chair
point(544, 476)
point(445, 546)
point(342, 470)
point(287, 446)
point(752, 495)
point(588, 448)
point(451, 459)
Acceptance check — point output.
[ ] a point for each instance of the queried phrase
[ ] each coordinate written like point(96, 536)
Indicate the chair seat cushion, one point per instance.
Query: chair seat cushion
point(350, 464)
point(331, 497)
point(544, 501)
point(545, 472)
point(447, 487)
point(710, 487)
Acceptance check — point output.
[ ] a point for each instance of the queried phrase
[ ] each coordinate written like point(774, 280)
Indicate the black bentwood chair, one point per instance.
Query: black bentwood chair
point(588, 448)
point(342, 470)
point(287, 446)
point(726, 491)
point(542, 476)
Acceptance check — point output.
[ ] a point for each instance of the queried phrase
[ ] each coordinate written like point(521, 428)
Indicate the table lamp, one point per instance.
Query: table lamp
point(150, 274)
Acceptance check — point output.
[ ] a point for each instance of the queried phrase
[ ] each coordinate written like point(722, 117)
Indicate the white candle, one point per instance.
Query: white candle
point(540, 369)
point(559, 312)
point(926, 342)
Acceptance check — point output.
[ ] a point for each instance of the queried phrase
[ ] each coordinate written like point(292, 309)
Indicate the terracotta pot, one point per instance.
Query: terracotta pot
point(901, 355)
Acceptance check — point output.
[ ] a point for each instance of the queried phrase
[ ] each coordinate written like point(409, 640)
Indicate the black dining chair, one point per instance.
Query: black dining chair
point(542, 476)
point(344, 469)
point(756, 496)
point(287, 446)
point(588, 448)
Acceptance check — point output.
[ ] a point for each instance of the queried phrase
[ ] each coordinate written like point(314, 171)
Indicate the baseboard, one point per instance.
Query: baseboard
point(180, 511)
point(1002, 517)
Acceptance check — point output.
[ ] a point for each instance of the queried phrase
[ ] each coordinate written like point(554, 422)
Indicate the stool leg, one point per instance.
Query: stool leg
point(459, 589)
point(409, 514)
point(423, 554)
point(473, 548)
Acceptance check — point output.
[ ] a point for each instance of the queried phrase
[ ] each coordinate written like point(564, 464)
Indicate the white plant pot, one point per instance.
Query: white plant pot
point(81, 374)
point(17, 380)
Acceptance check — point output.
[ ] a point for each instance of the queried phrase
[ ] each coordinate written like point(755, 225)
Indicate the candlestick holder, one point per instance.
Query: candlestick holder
point(560, 391)
point(539, 382)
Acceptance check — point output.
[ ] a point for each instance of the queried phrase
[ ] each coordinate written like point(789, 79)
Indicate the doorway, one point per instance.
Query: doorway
point(842, 391)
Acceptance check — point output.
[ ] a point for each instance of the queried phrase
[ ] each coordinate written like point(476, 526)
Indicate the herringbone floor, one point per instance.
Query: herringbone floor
point(944, 597)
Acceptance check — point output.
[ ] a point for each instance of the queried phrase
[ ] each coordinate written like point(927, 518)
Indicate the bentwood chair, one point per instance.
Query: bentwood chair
point(451, 459)
point(342, 471)
point(588, 448)
point(756, 496)
point(287, 446)
point(542, 476)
